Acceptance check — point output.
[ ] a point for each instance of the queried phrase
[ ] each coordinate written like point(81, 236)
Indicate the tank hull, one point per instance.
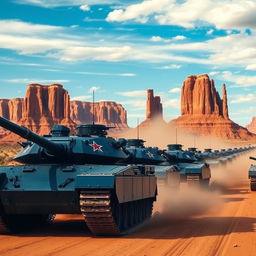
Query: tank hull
point(52, 189)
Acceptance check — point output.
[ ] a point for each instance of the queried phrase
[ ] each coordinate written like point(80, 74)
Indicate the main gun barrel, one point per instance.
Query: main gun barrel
point(25, 133)
point(253, 158)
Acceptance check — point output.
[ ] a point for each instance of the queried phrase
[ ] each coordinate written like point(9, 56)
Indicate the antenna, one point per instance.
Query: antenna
point(93, 107)
point(138, 129)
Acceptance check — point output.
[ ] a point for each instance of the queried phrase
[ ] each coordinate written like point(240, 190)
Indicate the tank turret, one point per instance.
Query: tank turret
point(139, 154)
point(89, 146)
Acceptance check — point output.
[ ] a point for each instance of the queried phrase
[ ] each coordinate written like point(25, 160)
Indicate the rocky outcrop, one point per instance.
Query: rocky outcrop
point(205, 113)
point(11, 109)
point(154, 108)
point(109, 113)
point(252, 126)
point(46, 105)
point(199, 97)
point(224, 102)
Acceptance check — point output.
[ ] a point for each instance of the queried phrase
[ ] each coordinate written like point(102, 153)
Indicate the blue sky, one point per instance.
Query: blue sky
point(122, 48)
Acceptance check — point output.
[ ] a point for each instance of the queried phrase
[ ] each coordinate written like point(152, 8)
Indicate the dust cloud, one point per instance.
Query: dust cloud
point(185, 203)
point(160, 134)
point(190, 202)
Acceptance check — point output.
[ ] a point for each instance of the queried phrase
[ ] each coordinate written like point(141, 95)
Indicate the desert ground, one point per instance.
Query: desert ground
point(219, 221)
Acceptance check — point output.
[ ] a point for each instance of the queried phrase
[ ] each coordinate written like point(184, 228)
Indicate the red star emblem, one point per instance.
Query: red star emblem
point(150, 155)
point(96, 147)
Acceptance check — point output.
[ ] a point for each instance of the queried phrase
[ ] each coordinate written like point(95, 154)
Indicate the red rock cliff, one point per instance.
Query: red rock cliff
point(109, 113)
point(154, 107)
point(199, 97)
point(204, 112)
point(252, 126)
point(46, 105)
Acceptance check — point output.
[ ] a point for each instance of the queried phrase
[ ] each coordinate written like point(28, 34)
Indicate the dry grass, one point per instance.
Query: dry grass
point(7, 152)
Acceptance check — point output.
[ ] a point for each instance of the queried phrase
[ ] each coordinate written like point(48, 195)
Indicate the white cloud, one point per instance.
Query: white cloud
point(175, 90)
point(214, 73)
point(171, 66)
point(157, 39)
point(139, 93)
point(85, 7)
point(31, 45)
point(57, 3)
point(238, 80)
point(93, 53)
point(237, 14)
point(239, 98)
point(82, 98)
point(251, 67)
point(179, 37)
point(35, 81)
point(25, 28)
point(139, 12)
point(161, 39)
point(58, 42)
point(93, 89)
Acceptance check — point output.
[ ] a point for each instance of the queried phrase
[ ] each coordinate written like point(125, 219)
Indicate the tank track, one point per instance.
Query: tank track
point(253, 184)
point(193, 180)
point(104, 215)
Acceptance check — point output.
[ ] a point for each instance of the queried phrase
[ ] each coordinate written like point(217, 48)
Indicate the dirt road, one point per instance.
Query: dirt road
point(193, 223)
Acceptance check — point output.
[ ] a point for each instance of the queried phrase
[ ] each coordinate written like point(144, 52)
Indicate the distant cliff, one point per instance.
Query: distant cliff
point(46, 105)
point(204, 112)
point(154, 108)
point(252, 126)
point(109, 113)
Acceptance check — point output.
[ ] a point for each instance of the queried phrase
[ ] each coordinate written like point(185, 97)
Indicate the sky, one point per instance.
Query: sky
point(121, 48)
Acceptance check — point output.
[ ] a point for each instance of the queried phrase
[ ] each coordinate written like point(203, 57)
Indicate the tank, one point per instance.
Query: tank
point(252, 175)
point(62, 174)
point(198, 154)
point(192, 171)
point(164, 171)
point(139, 154)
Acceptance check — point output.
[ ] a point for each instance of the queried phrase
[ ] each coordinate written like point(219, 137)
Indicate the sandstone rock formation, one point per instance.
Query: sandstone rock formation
point(199, 97)
point(46, 105)
point(252, 126)
point(11, 109)
point(154, 108)
point(204, 112)
point(109, 113)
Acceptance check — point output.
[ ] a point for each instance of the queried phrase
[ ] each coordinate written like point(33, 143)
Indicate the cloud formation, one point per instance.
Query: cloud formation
point(58, 3)
point(238, 14)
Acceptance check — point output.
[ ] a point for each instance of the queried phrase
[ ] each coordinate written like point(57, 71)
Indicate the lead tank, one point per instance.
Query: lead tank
point(62, 174)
